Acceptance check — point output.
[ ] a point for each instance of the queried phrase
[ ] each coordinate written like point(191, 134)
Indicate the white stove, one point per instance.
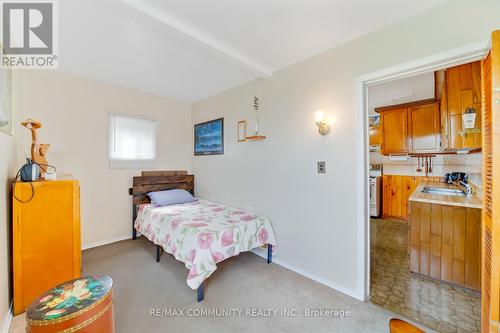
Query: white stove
point(375, 189)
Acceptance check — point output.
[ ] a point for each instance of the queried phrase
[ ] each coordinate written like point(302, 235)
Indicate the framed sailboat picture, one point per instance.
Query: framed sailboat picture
point(209, 137)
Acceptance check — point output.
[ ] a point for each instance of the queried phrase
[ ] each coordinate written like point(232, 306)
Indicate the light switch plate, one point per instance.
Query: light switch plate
point(321, 167)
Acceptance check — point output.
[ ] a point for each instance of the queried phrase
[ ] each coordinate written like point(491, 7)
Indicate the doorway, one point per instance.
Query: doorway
point(388, 281)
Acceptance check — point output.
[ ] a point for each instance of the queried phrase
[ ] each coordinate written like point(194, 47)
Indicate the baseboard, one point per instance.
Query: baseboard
point(7, 320)
point(358, 295)
point(105, 242)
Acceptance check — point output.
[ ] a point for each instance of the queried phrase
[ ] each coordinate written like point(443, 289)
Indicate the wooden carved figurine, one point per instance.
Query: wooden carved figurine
point(38, 151)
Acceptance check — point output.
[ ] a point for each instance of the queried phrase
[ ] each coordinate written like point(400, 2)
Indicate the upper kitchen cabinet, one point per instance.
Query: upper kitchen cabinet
point(374, 135)
point(424, 128)
point(410, 128)
point(443, 105)
point(374, 123)
point(394, 130)
point(462, 94)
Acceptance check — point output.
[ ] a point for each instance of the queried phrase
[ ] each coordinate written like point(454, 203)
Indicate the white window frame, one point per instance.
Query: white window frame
point(135, 162)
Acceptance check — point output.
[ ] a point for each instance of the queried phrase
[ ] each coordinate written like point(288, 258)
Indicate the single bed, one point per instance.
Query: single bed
point(201, 233)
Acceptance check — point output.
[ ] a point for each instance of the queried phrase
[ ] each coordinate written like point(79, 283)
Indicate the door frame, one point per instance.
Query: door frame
point(454, 57)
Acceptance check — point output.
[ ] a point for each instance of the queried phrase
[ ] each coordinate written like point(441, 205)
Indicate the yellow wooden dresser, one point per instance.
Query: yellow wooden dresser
point(46, 237)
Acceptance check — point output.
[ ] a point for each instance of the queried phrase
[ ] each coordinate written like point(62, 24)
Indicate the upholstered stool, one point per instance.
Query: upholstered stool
point(80, 305)
point(401, 326)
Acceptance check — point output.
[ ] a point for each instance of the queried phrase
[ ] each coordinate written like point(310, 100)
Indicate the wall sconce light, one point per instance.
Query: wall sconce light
point(323, 127)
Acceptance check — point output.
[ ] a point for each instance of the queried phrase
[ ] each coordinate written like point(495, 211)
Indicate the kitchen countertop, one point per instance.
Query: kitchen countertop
point(469, 202)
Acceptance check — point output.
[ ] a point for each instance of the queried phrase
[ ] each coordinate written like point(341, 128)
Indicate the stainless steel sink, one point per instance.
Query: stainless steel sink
point(443, 191)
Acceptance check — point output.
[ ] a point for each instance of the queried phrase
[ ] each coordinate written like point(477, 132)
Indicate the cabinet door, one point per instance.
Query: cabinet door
point(424, 128)
point(443, 108)
point(414, 236)
point(46, 238)
point(463, 92)
point(374, 135)
point(394, 131)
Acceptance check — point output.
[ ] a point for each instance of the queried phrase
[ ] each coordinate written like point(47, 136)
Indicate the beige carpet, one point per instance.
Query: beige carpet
point(241, 283)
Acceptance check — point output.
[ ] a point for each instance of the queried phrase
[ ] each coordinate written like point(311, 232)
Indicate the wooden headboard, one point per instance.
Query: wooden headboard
point(151, 181)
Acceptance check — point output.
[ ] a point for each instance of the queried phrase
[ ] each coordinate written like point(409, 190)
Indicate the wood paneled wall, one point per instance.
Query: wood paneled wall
point(396, 191)
point(445, 243)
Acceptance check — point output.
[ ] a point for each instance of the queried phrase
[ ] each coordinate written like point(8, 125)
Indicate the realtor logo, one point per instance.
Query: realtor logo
point(28, 34)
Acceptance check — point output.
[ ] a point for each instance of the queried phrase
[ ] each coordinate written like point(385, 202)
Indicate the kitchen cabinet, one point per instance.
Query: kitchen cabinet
point(424, 128)
point(462, 91)
point(443, 108)
point(394, 131)
point(445, 243)
point(433, 127)
point(375, 135)
point(410, 128)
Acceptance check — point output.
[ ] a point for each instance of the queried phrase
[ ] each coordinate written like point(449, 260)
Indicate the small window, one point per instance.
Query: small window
point(131, 138)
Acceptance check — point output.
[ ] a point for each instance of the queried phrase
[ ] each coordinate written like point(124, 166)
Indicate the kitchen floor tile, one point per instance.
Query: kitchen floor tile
point(437, 305)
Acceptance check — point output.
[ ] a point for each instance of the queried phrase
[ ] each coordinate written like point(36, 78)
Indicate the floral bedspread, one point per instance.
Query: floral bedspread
point(203, 233)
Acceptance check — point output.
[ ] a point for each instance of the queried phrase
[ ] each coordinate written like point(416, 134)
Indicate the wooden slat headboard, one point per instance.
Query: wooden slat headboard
point(158, 181)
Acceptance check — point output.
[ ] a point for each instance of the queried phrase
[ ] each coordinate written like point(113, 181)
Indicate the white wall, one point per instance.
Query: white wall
point(7, 166)
point(408, 89)
point(9, 146)
point(314, 216)
point(74, 114)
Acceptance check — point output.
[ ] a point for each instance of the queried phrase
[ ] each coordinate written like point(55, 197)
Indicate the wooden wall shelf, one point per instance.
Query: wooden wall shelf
point(256, 138)
point(469, 131)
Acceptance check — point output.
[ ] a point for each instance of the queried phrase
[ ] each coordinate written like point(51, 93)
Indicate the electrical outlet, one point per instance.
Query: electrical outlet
point(321, 167)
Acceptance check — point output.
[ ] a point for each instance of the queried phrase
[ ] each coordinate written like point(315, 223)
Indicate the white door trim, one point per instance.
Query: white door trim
point(454, 57)
point(7, 321)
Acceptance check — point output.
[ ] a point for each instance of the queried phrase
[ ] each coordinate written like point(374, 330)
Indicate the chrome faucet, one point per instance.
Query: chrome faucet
point(468, 188)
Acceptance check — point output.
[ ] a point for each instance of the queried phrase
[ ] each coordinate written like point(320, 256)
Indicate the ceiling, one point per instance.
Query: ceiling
point(409, 89)
point(192, 49)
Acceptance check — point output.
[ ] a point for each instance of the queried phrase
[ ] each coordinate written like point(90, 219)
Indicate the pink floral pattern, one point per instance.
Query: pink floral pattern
point(205, 240)
point(202, 233)
point(227, 238)
point(197, 225)
point(263, 235)
point(217, 256)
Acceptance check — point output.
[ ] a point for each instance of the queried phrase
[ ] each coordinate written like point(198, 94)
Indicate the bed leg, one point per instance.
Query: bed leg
point(200, 293)
point(158, 253)
point(269, 253)
point(134, 216)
